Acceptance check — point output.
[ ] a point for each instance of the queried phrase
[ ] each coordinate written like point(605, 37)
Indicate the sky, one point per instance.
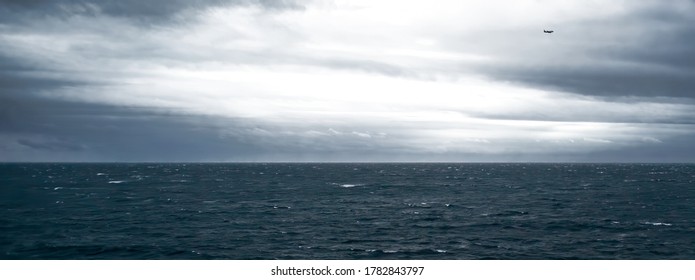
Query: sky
point(321, 80)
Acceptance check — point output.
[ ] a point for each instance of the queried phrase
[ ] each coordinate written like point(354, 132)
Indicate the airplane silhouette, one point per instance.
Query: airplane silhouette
point(547, 31)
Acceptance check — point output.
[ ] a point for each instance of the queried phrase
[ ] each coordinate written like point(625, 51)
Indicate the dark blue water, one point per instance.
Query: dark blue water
point(347, 211)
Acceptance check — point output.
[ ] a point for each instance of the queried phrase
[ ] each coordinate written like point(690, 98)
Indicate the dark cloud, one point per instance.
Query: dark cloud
point(38, 125)
point(604, 81)
point(50, 145)
point(15, 81)
point(151, 11)
point(43, 129)
point(643, 51)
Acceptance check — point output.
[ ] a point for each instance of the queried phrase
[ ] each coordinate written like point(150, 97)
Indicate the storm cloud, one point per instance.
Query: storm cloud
point(153, 11)
point(642, 51)
point(347, 81)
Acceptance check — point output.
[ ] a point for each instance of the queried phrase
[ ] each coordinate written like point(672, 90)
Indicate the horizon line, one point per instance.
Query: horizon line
point(341, 162)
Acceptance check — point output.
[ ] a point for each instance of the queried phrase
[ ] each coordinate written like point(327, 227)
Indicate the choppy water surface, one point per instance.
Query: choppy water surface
point(347, 211)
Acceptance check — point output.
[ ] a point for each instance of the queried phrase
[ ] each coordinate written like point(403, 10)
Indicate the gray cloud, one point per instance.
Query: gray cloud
point(50, 145)
point(646, 52)
point(78, 100)
point(43, 129)
point(51, 130)
point(40, 129)
point(152, 11)
point(604, 81)
point(19, 77)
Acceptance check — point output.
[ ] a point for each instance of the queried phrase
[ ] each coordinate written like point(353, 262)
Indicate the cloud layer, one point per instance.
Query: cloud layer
point(346, 81)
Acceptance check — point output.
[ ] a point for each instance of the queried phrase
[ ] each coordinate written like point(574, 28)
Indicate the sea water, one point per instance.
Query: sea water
point(347, 211)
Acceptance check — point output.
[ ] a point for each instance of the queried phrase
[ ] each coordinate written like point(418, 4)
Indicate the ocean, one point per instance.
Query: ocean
point(347, 211)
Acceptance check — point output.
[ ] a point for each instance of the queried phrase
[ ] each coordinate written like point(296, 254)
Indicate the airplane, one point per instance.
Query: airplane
point(548, 31)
